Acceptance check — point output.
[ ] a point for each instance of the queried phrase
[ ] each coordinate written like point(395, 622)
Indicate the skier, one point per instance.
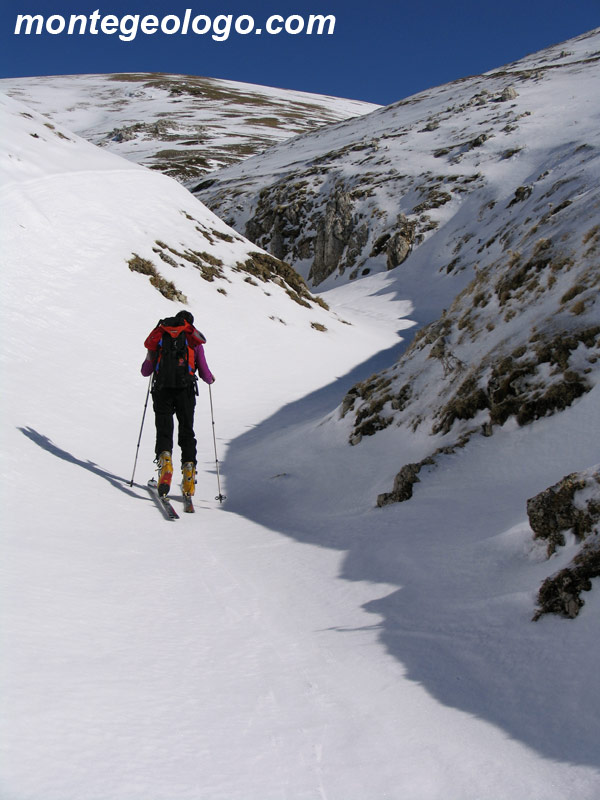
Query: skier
point(174, 353)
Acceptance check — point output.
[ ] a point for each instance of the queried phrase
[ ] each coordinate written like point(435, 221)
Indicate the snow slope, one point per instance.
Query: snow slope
point(182, 125)
point(474, 207)
point(427, 172)
point(295, 642)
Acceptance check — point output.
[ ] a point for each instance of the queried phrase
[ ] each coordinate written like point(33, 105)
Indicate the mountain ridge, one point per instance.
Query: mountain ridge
point(184, 126)
point(313, 206)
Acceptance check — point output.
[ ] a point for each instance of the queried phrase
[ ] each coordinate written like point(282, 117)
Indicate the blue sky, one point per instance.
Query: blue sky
point(381, 51)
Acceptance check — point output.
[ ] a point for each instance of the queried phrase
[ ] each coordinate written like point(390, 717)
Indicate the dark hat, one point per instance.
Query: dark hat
point(185, 315)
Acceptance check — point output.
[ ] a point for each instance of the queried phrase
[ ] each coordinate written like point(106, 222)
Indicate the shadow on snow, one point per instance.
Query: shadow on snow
point(471, 646)
point(48, 445)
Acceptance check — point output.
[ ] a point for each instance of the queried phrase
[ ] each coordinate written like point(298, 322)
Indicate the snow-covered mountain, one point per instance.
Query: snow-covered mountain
point(477, 204)
point(182, 125)
point(301, 640)
point(96, 249)
point(81, 224)
point(190, 243)
point(363, 195)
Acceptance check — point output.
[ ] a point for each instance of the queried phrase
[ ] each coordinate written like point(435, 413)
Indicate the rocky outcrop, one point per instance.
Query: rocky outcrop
point(409, 474)
point(277, 221)
point(561, 593)
point(396, 244)
point(510, 93)
point(289, 222)
point(400, 244)
point(535, 380)
point(403, 483)
point(333, 234)
point(562, 508)
point(450, 380)
point(570, 506)
point(517, 385)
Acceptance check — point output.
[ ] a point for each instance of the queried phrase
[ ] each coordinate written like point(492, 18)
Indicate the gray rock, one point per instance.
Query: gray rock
point(333, 234)
point(399, 246)
point(552, 513)
point(403, 485)
point(510, 93)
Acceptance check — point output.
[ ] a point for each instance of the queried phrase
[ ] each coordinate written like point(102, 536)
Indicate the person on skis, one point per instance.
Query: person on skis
point(175, 353)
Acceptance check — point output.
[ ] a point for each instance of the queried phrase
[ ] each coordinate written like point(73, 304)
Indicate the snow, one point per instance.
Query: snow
point(388, 160)
point(222, 121)
point(295, 642)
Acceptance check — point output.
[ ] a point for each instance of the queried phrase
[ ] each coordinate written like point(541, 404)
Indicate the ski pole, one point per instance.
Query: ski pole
point(220, 497)
point(141, 429)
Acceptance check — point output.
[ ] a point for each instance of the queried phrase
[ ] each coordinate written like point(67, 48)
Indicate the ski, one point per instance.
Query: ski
point(162, 502)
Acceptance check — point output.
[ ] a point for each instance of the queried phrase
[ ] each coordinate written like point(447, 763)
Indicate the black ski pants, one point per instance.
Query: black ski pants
point(182, 403)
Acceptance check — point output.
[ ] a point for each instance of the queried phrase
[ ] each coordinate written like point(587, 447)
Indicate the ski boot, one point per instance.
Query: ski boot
point(189, 478)
point(165, 472)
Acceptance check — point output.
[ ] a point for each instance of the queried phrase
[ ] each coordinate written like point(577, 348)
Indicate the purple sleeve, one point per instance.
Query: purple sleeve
point(202, 366)
point(148, 365)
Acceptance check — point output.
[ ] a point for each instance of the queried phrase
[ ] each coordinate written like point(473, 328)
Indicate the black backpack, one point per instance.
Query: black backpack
point(175, 368)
